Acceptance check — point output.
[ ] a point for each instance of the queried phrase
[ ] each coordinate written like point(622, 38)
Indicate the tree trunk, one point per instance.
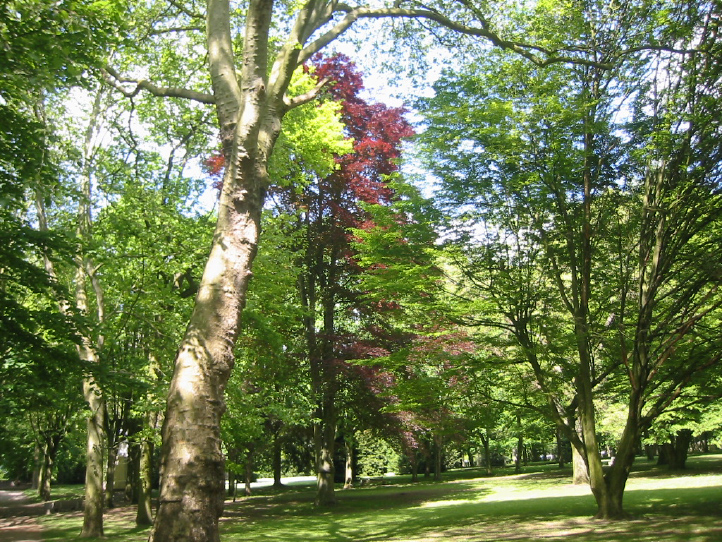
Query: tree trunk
point(37, 466)
point(580, 474)
point(677, 449)
point(248, 478)
point(415, 466)
point(325, 436)
point(438, 447)
point(348, 478)
point(110, 475)
point(276, 459)
point(144, 513)
point(560, 448)
point(487, 454)
point(50, 451)
point(93, 508)
point(192, 470)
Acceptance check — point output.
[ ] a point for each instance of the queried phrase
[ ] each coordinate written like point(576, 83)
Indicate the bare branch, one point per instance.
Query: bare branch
point(160, 31)
point(115, 80)
point(296, 101)
point(536, 54)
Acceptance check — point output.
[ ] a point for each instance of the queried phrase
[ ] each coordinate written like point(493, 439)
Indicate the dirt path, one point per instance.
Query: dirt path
point(17, 528)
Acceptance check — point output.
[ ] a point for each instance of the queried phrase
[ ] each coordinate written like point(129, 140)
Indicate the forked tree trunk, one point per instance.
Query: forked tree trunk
point(192, 466)
point(50, 451)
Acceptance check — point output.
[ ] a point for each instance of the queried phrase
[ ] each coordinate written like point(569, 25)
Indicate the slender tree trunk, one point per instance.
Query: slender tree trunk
point(249, 470)
point(50, 451)
point(112, 459)
point(348, 478)
point(132, 473)
point(487, 454)
point(37, 465)
point(560, 448)
point(277, 463)
point(144, 513)
point(415, 466)
point(438, 449)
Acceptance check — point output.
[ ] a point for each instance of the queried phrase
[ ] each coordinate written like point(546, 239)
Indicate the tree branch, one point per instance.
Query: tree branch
point(296, 101)
point(115, 80)
point(530, 52)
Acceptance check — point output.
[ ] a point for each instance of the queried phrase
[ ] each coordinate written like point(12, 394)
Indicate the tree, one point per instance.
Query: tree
point(48, 47)
point(250, 105)
point(572, 202)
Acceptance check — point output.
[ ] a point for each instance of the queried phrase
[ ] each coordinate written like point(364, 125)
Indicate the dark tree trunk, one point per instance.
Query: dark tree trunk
point(144, 513)
point(438, 448)
point(277, 464)
point(110, 474)
point(52, 443)
point(560, 448)
point(677, 449)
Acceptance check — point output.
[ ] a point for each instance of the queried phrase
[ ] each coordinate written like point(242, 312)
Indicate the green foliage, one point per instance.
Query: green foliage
point(375, 456)
point(311, 138)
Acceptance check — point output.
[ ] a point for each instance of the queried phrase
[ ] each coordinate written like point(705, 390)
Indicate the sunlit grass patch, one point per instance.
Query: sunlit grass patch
point(542, 505)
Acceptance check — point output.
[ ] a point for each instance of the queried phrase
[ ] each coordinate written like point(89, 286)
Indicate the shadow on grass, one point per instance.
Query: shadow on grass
point(459, 511)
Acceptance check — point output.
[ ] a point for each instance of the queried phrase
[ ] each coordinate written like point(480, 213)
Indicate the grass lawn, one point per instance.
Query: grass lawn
point(539, 505)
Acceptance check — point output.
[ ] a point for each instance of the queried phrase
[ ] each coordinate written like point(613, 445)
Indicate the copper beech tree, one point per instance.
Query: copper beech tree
point(249, 93)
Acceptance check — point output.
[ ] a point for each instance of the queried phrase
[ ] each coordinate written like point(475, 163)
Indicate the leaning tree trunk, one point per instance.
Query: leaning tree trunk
point(192, 469)
point(192, 466)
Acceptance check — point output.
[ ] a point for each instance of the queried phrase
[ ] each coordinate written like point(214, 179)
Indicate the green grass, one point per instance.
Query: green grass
point(468, 506)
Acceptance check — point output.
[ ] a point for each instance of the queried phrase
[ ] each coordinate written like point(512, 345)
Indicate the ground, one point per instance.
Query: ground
point(17, 528)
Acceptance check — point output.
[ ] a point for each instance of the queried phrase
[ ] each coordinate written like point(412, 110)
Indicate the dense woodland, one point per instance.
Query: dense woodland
point(222, 257)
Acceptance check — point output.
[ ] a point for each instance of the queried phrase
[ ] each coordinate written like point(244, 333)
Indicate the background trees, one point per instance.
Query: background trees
point(573, 231)
point(581, 182)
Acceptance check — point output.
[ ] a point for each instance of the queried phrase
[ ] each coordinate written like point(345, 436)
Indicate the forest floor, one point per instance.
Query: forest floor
point(540, 504)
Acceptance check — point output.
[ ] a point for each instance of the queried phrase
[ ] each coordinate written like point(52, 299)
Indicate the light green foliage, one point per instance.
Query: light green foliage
point(312, 136)
point(375, 456)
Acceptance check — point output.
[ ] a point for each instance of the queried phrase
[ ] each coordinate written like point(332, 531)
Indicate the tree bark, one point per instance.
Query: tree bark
point(110, 475)
point(248, 478)
point(438, 449)
point(277, 463)
point(580, 475)
point(50, 451)
point(348, 477)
